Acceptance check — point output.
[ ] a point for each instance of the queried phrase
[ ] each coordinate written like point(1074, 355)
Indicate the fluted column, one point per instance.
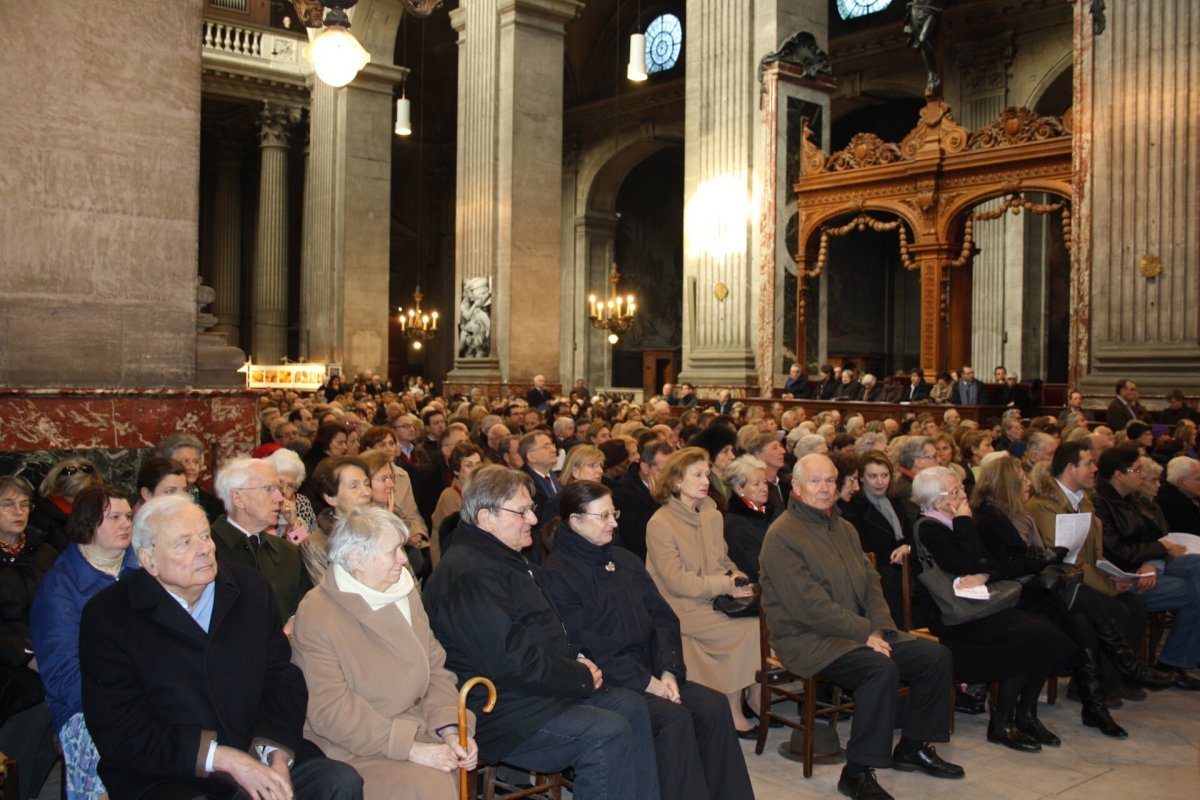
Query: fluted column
point(508, 221)
point(1138, 185)
point(269, 344)
point(226, 246)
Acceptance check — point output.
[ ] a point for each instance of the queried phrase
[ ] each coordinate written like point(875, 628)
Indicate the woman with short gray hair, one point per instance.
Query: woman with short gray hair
point(748, 517)
point(1016, 648)
point(379, 695)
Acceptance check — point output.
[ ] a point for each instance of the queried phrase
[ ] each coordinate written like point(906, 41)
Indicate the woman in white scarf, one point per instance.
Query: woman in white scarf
point(380, 697)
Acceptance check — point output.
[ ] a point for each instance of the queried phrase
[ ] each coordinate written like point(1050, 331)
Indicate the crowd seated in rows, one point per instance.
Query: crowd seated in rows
point(648, 512)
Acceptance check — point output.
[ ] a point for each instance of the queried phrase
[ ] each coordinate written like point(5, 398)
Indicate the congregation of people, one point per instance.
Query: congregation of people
point(303, 629)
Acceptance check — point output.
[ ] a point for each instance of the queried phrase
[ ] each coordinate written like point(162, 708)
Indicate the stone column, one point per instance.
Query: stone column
point(726, 308)
point(1138, 189)
point(997, 275)
point(594, 253)
point(509, 183)
point(226, 246)
point(269, 344)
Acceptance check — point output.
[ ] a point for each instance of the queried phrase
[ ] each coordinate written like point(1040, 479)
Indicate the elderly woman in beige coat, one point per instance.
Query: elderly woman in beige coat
point(686, 557)
point(379, 695)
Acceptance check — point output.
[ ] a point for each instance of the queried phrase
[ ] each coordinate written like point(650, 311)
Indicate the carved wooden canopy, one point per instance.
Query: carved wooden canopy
point(931, 181)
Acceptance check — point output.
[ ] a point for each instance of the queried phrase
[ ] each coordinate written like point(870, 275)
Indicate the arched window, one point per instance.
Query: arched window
point(664, 39)
point(852, 9)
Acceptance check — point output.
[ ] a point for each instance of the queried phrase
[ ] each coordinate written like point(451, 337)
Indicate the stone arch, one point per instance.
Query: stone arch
point(1050, 77)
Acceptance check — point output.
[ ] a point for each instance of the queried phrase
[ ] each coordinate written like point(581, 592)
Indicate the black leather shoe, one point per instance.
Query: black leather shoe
point(1181, 679)
point(925, 760)
point(1005, 732)
point(862, 786)
point(1033, 728)
point(1128, 692)
point(750, 734)
point(1103, 720)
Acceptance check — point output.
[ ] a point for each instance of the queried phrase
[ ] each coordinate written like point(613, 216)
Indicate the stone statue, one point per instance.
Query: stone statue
point(922, 18)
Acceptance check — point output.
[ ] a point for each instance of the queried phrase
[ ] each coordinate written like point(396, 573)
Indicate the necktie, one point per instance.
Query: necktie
point(255, 543)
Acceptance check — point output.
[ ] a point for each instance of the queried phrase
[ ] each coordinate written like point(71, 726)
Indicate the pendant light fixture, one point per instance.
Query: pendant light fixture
point(335, 54)
point(636, 71)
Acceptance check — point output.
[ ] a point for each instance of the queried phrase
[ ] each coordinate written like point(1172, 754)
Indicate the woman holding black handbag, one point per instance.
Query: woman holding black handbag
point(1011, 646)
point(1055, 589)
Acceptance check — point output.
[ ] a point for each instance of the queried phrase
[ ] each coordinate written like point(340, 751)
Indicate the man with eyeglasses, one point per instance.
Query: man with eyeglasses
point(1134, 543)
point(540, 454)
point(249, 488)
point(489, 610)
point(916, 454)
point(826, 613)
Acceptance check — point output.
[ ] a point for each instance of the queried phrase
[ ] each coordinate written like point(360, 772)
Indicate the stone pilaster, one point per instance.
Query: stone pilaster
point(226, 245)
point(508, 222)
point(1138, 184)
point(269, 343)
point(727, 292)
point(347, 202)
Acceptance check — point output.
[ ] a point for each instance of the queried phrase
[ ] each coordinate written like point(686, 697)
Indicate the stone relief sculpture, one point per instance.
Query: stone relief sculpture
point(922, 18)
point(475, 319)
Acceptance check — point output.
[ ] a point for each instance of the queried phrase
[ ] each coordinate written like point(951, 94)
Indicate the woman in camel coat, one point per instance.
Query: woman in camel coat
point(379, 695)
point(686, 557)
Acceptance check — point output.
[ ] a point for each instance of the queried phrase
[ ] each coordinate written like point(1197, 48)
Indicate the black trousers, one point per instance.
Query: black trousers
point(312, 779)
point(696, 747)
point(927, 667)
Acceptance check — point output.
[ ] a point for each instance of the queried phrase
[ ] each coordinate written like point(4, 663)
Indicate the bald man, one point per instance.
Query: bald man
point(826, 614)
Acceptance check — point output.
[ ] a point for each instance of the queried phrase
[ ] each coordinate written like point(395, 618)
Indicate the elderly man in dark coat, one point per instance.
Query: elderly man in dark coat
point(188, 685)
point(826, 614)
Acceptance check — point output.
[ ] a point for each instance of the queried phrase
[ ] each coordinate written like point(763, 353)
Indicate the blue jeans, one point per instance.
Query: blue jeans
point(606, 738)
point(1178, 588)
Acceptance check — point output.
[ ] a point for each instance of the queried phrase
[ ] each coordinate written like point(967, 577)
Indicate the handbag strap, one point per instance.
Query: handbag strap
point(923, 556)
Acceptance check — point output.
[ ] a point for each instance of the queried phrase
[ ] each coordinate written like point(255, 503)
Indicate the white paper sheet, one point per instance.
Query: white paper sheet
point(971, 593)
point(1071, 531)
point(1188, 540)
point(1109, 568)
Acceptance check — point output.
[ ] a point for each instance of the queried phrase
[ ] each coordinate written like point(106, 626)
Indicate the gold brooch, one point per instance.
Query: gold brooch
point(610, 567)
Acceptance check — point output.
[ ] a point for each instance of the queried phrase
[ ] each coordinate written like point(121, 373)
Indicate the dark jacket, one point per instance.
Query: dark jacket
point(799, 389)
point(213, 508)
point(19, 578)
point(959, 391)
point(538, 398)
point(617, 614)
point(876, 536)
point(745, 530)
point(633, 499)
point(826, 389)
point(277, 559)
point(1181, 511)
point(849, 391)
point(157, 688)
point(871, 394)
point(1004, 544)
point(892, 394)
point(488, 608)
point(63, 593)
point(1118, 414)
point(51, 521)
point(915, 394)
point(1130, 538)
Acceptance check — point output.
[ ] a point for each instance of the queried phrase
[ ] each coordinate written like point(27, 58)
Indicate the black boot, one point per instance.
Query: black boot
point(1003, 730)
point(1116, 647)
point(1091, 694)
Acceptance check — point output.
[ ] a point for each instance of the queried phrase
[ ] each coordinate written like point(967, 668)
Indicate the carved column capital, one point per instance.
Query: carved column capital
point(274, 121)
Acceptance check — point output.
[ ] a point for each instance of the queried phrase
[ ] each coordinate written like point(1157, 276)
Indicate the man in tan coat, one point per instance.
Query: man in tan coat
point(827, 614)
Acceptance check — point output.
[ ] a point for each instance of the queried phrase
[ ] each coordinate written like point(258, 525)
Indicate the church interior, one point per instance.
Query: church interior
point(625, 193)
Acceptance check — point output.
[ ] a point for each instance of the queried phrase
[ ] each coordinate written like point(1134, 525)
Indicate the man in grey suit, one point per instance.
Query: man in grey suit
point(827, 614)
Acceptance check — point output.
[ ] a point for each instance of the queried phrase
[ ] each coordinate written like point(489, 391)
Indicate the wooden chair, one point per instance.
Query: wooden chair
point(548, 787)
point(1157, 623)
point(8, 778)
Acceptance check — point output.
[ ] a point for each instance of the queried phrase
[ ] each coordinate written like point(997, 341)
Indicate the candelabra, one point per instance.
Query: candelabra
point(615, 315)
point(415, 324)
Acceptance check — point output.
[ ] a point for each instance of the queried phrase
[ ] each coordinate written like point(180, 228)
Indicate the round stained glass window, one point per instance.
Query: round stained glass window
point(664, 38)
point(850, 9)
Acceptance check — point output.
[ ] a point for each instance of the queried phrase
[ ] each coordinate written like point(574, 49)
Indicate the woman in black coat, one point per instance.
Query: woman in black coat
point(1016, 648)
point(1093, 620)
point(611, 607)
point(884, 534)
point(749, 516)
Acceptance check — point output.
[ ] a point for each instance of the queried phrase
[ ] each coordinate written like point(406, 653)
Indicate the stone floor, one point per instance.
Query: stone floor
point(1159, 761)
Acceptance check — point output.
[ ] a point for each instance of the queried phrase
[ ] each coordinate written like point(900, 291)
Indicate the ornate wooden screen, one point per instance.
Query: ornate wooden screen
point(931, 181)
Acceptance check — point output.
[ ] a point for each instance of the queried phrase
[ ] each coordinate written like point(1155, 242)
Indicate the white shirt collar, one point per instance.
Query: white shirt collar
point(1075, 498)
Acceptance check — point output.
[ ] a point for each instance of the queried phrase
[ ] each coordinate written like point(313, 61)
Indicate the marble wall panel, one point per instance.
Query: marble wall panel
point(37, 429)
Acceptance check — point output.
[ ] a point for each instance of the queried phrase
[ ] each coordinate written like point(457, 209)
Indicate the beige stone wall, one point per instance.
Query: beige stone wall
point(98, 194)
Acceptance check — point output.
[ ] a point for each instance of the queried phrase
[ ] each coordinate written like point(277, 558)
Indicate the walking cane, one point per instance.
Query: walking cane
point(462, 723)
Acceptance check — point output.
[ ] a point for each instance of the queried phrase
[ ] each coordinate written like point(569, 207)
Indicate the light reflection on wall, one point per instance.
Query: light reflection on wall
point(717, 217)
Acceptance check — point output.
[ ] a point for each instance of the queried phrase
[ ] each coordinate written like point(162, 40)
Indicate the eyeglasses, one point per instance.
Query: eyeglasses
point(929, 456)
point(605, 516)
point(953, 492)
point(10, 506)
point(531, 511)
point(1135, 470)
point(86, 469)
point(270, 487)
point(852, 479)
